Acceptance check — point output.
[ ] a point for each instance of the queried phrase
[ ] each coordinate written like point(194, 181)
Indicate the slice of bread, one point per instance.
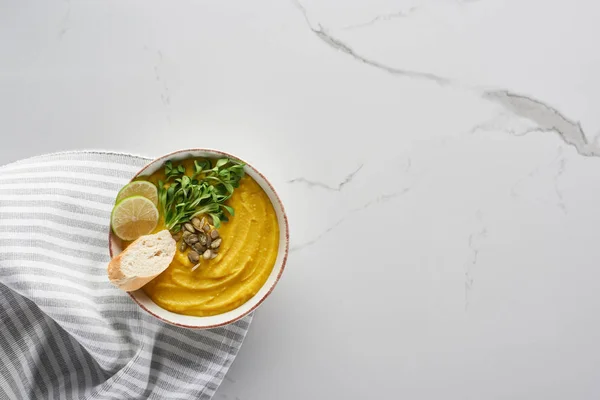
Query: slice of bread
point(142, 261)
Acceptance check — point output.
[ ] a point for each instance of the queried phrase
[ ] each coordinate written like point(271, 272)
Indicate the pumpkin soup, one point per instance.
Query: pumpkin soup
point(209, 278)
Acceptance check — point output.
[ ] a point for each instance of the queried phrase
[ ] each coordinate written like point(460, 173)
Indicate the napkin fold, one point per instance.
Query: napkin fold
point(66, 331)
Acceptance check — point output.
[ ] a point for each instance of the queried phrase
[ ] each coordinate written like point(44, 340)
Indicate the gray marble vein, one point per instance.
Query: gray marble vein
point(560, 163)
point(377, 200)
point(165, 97)
point(337, 44)
point(382, 199)
point(164, 91)
point(65, 23)
point(322, 185)
point(396, 15)
point(546, 117)
point(382, 17)
point(318, 237)
point(474, 246)
point(501, 123)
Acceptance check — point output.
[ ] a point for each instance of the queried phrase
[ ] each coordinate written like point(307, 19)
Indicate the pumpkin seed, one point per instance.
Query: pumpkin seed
point(202, 222)
point(208, 241)
point(199, 248)
point(207, 254)
point(196, 223)
point(177, 236)
point(216, 243)
point(214, 255)
point(214, 234)
point(189, 227)
point(193, 256)
point(182, 246)
point(192, 239)
point(206, 228)
point(203, 239)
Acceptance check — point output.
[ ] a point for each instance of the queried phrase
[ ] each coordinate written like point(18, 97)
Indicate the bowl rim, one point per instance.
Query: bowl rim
point(287, 238)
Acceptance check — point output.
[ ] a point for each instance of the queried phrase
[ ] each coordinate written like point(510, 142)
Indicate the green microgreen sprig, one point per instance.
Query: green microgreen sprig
point(182, 197)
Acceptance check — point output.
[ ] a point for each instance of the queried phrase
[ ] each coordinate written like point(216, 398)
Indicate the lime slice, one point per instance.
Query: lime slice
point(139, 188)
point(133, 217)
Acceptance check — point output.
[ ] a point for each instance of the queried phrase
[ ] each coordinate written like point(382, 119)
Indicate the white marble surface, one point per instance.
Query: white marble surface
point(438, 161)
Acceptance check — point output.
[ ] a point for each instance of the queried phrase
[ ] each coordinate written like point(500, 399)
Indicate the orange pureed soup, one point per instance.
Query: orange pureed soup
point(245, 259)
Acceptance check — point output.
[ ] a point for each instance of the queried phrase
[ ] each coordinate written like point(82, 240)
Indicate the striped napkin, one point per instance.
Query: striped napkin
point(66, 331)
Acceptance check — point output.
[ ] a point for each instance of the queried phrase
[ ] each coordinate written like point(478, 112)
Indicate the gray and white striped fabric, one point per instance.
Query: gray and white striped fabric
point(66, 331)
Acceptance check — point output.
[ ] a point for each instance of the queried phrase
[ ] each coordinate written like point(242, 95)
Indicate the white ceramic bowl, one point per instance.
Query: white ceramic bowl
point(188, 321)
